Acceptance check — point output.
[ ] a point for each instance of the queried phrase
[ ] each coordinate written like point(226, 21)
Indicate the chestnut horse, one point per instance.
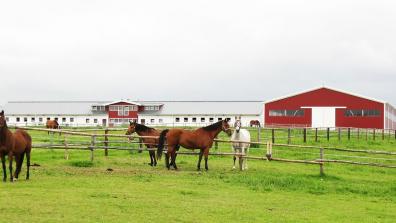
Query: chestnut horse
point(143, 130)
point(52, 124)
point(255, 123)
point(16, 145)
point(201, 138)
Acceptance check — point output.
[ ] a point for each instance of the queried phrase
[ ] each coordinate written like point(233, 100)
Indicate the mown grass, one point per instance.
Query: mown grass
point(123, 188)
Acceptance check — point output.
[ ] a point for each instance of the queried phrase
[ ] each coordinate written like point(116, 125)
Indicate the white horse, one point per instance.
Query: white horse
point(240, 147)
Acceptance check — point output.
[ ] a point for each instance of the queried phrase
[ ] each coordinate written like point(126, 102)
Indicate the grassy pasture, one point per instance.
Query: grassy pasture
point(123, 188)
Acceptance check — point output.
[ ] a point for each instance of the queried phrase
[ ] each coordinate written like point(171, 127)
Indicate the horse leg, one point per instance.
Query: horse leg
point(151, 158)
point(174, 155)
point(28, 165)
point(245, 159)
point(206, 154)
point(18, 162)
point(174, 159)
point(199, 159)
point(10, 159)
point(233, 167)
point(4, 168)
point(168, 154)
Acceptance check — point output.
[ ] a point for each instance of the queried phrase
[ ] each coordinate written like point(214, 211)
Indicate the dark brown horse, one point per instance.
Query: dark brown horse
point(52, 124)
point(255, 123)
point(16, 145)
point(201, 138)
point(143, 130)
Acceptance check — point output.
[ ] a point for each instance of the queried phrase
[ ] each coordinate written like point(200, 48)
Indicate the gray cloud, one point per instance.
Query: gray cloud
point(194, 50)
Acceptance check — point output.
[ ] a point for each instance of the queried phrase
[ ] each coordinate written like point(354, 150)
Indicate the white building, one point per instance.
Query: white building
point(155, 113)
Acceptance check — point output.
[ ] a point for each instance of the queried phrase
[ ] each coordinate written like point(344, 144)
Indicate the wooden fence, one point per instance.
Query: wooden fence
point(101, 141)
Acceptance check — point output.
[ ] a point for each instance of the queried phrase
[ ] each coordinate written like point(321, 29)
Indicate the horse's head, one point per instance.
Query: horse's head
point(226, 127)
point(131, 128)
point(3, 122)
point(237, 124)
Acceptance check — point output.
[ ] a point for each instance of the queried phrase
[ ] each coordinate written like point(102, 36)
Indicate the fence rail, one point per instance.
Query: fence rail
point(99, 141)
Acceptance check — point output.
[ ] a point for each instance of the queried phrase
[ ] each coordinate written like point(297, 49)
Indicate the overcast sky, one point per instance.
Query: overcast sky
point(195, 50)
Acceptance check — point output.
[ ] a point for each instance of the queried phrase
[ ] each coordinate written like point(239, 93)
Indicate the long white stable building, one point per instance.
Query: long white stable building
point(115, 113)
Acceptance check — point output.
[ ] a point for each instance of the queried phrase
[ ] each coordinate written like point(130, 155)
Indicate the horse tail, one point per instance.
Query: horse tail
point(161, 142)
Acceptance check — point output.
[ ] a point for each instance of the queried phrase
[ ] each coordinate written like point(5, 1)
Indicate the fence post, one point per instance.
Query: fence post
point(367, 134)
point(358, 134)
point(66, 156)
point(316, 134)
point(140, 145)
point(339, 134)
point(383, 134)
point(258, 135)
point(328, 134)
point(216, 144)
point(93, 142)
point(273, 135)
point(374, 134)
point(395, 134)
point(288, 136)
point(305, 135)
point(321, 161)
point(106, 142)
point(269, 151)
point(349, 134)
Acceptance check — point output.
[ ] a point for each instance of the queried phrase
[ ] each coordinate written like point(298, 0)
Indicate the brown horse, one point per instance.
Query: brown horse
point(16, 145)
point(255, 123)
point(52, 124)
point(201, 138)
point(143, 130)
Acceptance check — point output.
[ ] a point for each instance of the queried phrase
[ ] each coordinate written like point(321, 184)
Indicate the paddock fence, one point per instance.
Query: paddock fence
point(101, 139)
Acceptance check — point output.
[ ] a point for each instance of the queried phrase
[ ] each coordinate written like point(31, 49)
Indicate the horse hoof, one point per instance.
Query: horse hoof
point(198, 169)
point(233, 167)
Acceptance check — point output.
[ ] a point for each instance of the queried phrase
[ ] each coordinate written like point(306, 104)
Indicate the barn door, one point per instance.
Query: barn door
point(323, 117)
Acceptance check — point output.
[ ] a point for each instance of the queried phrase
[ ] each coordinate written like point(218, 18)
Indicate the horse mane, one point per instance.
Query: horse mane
point(142, 128)
point(214, 126)
point(3, 134)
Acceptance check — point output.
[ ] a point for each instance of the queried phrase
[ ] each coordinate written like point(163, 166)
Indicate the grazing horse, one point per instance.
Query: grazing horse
point(255, 123)
point(201, 138)
point(52, 124)
point(16, 145)
point(240, 147)
point(143, 130)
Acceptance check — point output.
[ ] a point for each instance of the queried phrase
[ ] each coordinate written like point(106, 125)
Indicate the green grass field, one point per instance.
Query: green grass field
point(77, 190)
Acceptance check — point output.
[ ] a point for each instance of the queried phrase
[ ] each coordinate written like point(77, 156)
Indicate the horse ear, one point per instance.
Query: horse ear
point(2, 113)
point(130, 122)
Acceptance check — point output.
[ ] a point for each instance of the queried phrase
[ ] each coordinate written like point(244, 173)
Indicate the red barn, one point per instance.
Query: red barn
point(326, 107)
point(121, 112)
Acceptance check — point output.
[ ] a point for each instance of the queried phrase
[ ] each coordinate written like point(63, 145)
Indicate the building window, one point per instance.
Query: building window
point(18, 119)
point(361, 113)
point(152, 121)
point(160, 120)
point(87, 120)
point(177, 119)
point(33, 119)
point(48, 118)
point(25, 119)
point(126, 110)
point(202, 119)
point(211, 119)
point(185, 119)
point(71, 119)
point(7, 119)
point(63, 119)
point(194, 119)
point(95, 120)
point(56, 119)
point(41, 119)
point(286, 113)
point(219, 119)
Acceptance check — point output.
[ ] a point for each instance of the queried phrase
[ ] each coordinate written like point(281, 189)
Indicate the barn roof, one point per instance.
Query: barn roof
point(168, 108)
point(206, 107)
point(328, 88)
